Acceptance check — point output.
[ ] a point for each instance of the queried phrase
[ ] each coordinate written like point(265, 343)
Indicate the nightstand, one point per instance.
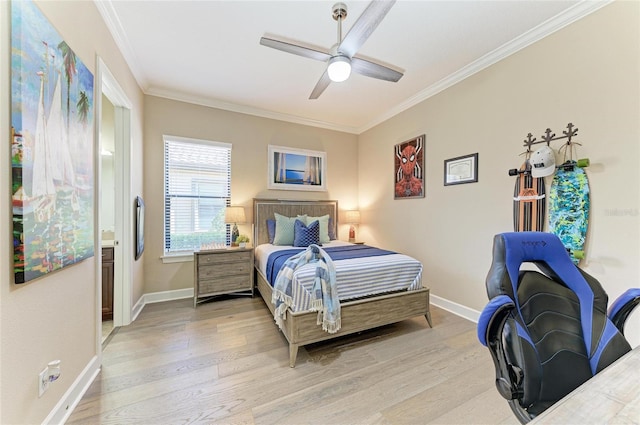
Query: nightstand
point(222, 271)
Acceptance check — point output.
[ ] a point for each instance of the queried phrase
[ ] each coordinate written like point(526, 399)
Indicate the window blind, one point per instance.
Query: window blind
point(197, 188)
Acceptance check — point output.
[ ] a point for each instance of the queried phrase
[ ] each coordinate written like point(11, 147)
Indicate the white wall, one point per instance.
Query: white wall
point(250, 137)
point(54, 317)
point(587, 73)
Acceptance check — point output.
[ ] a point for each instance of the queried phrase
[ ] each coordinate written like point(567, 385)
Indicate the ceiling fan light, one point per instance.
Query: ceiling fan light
point(339, 68)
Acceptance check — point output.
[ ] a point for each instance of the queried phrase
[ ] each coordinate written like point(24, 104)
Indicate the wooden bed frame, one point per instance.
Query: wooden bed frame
point(300, 328)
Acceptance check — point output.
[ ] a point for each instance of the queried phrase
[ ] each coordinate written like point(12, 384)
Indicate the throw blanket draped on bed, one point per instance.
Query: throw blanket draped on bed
point(325, 295)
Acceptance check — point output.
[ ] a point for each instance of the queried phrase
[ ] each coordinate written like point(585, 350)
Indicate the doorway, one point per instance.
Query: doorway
point(115, 221)
point(107, 214)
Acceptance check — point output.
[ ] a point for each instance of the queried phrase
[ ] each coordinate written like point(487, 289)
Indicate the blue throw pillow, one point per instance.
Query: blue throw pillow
point(271, 229)
point(306, 235)
point(332, 231)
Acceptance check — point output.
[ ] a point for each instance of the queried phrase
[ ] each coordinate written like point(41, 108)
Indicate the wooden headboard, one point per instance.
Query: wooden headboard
point(263, 209)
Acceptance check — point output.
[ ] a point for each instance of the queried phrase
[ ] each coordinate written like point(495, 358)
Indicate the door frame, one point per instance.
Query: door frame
point(123, 216)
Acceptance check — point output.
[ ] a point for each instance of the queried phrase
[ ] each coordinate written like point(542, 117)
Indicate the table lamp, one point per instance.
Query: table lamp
point(352, 218)
point(234, 215)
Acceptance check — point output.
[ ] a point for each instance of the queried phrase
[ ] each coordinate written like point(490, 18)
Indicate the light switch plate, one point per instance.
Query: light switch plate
point(43, 381)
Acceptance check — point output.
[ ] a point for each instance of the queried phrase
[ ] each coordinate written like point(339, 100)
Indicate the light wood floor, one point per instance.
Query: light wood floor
point(226, 363)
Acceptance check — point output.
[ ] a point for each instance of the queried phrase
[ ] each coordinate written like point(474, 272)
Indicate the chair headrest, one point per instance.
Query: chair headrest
point(546, 250)
point(534, 247)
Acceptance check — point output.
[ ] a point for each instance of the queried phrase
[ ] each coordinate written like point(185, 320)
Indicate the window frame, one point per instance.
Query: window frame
point(169, 256)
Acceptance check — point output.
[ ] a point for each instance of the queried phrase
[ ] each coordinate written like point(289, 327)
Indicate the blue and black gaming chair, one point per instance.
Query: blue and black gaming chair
point(547, 332)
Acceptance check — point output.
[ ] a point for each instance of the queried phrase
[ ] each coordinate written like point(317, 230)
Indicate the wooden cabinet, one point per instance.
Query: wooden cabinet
point(107, 283)
point(223, 271)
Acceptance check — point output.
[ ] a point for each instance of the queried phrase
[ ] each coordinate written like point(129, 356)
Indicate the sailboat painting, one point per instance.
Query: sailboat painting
point(51, 149)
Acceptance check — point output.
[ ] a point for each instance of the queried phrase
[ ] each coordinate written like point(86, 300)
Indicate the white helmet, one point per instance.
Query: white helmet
point(543, 162)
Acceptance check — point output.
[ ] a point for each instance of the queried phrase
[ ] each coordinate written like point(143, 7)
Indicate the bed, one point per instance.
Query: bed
point(357, 314)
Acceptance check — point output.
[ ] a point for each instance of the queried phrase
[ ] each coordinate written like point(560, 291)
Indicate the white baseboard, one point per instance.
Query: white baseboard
point(72, 397)
point(158, 297)
point(137, 308)
point(455, 308)
point(176, 294)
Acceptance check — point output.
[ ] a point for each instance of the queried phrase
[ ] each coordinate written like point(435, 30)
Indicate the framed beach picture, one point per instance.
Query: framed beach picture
point(408, 168)
point(462, 169)
point(51, 148)
point(296, 169)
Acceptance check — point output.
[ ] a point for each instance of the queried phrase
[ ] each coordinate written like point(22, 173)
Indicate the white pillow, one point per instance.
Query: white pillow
point(324, 227)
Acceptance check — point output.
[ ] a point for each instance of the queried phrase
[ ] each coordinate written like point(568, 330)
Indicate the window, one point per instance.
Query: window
point(197, 188)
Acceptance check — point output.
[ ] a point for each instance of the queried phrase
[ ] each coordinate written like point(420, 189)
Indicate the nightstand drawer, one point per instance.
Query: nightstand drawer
point(224, 285)
point(226, 269)
point(222, 271)
point(225, 257)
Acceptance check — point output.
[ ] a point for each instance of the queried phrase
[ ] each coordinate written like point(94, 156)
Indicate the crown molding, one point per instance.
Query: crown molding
point(248, 110)
point(563, 19)
point(110, 17)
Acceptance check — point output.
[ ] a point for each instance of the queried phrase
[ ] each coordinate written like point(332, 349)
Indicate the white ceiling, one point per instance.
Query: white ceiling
point(208, 52)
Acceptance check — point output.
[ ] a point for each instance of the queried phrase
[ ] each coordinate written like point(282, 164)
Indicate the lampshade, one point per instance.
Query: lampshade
point(353, 217)
point(339, 68)
point(233, 215)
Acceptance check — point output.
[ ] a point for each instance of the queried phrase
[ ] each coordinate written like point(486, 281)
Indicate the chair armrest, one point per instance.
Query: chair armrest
point(490, 326)
point(622, 307)
point(491, 315)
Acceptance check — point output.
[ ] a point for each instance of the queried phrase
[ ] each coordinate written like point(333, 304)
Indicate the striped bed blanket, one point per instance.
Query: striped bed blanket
point(361, 271)
point(345, 252)
point(324, 294)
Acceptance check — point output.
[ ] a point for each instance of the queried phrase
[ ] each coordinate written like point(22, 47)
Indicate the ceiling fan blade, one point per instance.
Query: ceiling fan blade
point(296, 48)
point(322, 84)
point(375, 70)
point(364, 26)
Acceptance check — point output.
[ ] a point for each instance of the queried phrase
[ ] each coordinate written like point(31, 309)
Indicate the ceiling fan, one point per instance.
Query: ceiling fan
point(341, 58)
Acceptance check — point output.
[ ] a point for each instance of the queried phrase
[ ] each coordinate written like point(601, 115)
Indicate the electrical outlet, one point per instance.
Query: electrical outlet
point(43, 381)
